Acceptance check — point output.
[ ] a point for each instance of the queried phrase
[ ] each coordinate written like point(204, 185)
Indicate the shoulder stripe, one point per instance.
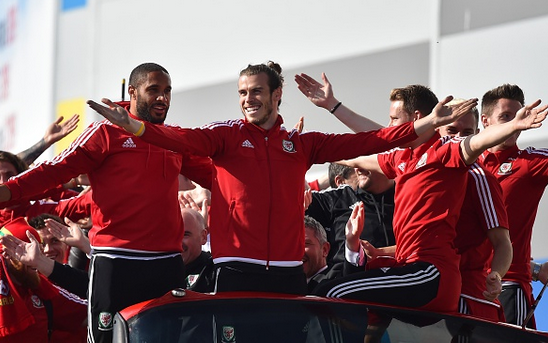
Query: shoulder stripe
point(484, 195)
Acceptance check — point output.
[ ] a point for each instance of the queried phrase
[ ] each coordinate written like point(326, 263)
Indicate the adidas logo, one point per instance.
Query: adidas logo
point(129, 144)
point(247, 144)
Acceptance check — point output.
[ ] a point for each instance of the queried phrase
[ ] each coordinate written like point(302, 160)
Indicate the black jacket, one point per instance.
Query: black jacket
point(333, 207)
point(200, 274)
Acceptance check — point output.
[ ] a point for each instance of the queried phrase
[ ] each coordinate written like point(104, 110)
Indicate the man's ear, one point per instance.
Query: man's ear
point(204, 233)
point(417, 115)
point(325, 249)
point(484, 122)
point(339, 180)
point(132, 91)
point(277, 94)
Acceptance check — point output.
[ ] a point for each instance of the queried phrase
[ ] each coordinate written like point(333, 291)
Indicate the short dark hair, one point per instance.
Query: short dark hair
point(506, 91)
point(415, 98)
point(272, 70)
point(139, 73)
point(335, 170)
point(319, 230)
point(19, 165)
point(39, 222)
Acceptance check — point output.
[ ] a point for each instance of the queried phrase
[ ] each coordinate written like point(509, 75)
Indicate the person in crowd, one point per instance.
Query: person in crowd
point(316, 249)
point(33, 255)
point(73, 207)
point(134, 194)
point(198, 263)
point(332, 207)
point(33, 309)
point(429, 166)
point(483, 239)
point(52, 247)
point(56, 131)
point(523, 176)
point(260, 168)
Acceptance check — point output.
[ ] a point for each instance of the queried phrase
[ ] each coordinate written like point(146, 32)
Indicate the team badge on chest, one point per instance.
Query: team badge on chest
point(36, 301)
point(505, 169)
point(288, 146)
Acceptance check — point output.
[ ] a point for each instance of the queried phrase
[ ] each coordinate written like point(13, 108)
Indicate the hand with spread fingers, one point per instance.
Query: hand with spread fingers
point(319, 94)
point(116, 114)
point(70, 234)
point(354, 227)
point(26, 253)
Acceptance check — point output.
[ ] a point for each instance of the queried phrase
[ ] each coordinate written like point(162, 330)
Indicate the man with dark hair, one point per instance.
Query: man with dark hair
point(339, 174)
point(332, 208)
point(257, 230)
point(523, 176)
point(137, 233)
point(426, 213)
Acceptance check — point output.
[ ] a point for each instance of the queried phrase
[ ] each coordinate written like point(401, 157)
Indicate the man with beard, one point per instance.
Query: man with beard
point(137, 231)
point(31, 308)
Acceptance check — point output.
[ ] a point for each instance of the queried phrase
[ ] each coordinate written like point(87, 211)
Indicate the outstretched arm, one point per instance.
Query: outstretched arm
point(528, 117)
point(54, 133)
point(322, 96)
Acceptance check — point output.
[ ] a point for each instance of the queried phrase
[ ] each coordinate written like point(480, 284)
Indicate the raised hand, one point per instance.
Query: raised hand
point(18, 250)
point(354, 227)
point(319, 94)
point(115, 113)
point(530, 116)
point(443, 115)
point(70, 234)
point(57, 130)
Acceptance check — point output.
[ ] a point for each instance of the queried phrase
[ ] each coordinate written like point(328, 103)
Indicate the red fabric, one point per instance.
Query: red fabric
point(523, 176)
point(314, 185)
point(131, 180)
point(427, 209)
point(483, 209)
point(258, 189)
point(23, 316)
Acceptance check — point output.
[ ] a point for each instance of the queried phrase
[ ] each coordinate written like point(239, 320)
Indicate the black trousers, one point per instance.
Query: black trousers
point(516, 305)
point(412, 285)
point(241, 276)
point(246, 325)
point(117, 282)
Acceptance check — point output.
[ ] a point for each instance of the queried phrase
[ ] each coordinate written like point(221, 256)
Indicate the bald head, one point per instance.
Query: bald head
point(195, 234)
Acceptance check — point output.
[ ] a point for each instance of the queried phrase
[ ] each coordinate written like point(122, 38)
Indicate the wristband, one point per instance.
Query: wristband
point(335, 108)
point(536, 271)
point(141, 130)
